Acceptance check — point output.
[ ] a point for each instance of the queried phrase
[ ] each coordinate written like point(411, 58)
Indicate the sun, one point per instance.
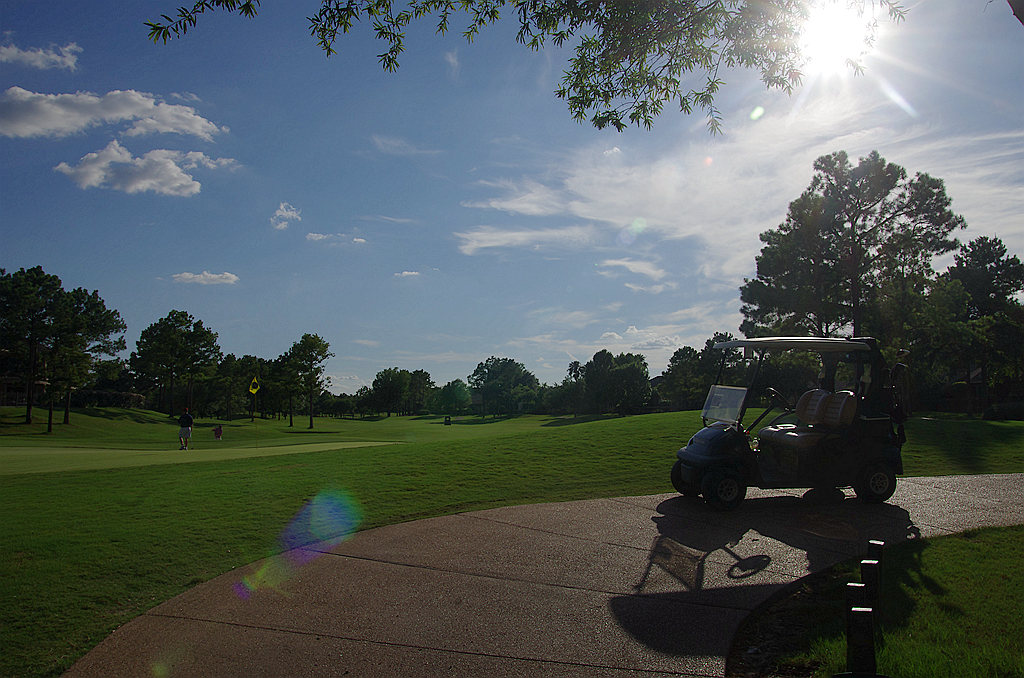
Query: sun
point(835, 33)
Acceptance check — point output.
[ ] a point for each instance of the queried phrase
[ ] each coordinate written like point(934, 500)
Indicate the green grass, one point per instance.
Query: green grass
point(959, 445)
point(86, 550)
point(950, 607)
point(119, 429)
point(89, 550)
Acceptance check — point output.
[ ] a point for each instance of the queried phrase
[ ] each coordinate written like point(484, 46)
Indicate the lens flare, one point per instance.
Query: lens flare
point(327, 519)
point(629, 234)
point(324, 521)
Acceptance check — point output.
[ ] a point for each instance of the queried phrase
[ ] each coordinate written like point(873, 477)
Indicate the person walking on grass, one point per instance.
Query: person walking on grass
point(184, 429)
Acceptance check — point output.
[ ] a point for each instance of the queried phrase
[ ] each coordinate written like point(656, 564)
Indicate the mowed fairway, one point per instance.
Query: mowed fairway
point(85, 550)
point(115, 438)
point(17, 460)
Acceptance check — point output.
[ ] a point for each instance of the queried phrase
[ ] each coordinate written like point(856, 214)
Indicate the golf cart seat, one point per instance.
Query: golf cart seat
point(819, 412)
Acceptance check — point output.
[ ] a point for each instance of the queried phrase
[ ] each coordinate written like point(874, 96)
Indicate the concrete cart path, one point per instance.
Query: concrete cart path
point(632, 586)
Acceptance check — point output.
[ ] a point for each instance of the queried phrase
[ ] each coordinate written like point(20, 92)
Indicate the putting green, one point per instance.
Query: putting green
point(18, 460)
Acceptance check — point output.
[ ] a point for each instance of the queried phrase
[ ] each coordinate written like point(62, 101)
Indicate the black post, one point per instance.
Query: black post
point(870, 576)
point(860, 628)
point(856, 595)
point(860, 641)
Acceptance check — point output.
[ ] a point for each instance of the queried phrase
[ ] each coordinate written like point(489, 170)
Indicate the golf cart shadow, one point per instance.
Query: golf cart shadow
point(707, 569)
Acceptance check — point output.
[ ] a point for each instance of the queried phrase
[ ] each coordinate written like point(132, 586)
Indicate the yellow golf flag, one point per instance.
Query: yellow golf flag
point(254, 386)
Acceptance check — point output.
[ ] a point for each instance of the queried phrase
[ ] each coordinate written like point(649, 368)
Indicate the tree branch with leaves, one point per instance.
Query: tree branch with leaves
point(631, 58)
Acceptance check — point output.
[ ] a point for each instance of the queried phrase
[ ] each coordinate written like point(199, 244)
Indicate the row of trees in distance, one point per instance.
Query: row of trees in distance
point(63, 345)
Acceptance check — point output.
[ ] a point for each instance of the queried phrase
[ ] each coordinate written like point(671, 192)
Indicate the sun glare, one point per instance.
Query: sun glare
point(834, 34)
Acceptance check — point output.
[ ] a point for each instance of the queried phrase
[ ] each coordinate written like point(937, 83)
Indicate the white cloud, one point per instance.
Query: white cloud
point(285, 215)
point(29, 114)
point(159, 171)
point(452, 59)
point(371, 343)
point(65, 57)
point(640, 267)
point(206, 278)
point(560, 317)
point(657, 344)
point(387, 219)
point(407, 274)
point(487, 237)
point(696, 322)
point(334, 239)
point(346, 383)
point(650, 339)
point(529, 197)
point(398, 146)
point(652, 289)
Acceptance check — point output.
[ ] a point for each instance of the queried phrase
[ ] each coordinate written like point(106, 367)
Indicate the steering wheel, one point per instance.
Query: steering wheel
point(777, 399)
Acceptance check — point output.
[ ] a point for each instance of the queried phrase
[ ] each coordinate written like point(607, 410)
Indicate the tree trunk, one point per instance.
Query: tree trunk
point(983, 391)
point(30, 382)
point(291, 410)
point(67, 408)
point(170, 388)
point(227, 399)
point(855, 292)
point(49, 416)
point(970, 389)
point(310, 408)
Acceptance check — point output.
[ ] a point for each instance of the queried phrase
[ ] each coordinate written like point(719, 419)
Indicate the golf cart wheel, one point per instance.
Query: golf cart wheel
point(684, 488)
point(722, 489)
point(877, 483)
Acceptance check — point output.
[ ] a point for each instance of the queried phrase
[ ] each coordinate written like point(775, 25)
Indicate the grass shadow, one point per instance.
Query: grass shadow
point(479, 421)
point(303, 430)
point(968, 445)
point(581, 419)
point(134, 416)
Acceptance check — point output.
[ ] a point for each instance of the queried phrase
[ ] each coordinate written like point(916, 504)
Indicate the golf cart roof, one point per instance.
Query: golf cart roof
point(819, 344)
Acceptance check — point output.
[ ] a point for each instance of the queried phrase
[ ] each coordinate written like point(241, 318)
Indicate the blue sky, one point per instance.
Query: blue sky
point(431, 218)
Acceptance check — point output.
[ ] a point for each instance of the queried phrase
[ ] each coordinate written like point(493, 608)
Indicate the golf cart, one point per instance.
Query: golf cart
point(828, 438)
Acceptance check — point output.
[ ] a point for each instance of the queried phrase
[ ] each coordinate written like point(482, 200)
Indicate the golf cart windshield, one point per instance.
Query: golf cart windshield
point(724, 403)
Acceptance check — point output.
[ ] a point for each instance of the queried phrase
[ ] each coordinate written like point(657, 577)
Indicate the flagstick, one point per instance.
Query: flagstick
point(253, 388)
